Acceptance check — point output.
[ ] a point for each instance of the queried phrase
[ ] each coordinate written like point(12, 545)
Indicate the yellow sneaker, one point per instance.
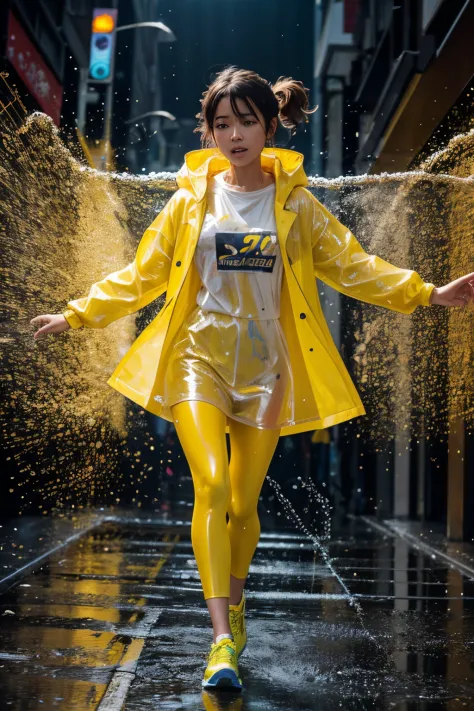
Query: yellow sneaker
point(222, 670)
point(237, 625)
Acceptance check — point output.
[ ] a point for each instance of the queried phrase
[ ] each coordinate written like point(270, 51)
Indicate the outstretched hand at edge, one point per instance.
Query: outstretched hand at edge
point(49, 323)
point(457, 293)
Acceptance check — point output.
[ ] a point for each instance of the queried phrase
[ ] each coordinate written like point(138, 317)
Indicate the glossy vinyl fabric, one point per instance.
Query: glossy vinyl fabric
point(223, 487)
point(231, 351)
point(312, 243)
point(239, 365)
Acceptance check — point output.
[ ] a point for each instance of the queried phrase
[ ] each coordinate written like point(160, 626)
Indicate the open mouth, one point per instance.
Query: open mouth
point(238, 150)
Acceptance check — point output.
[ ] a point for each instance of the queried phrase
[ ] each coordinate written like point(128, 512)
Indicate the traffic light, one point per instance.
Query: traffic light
point(104, 23)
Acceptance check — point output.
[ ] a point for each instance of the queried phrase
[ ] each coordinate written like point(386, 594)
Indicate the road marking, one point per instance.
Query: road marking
point(117, 691)
point(34, 563)
point(124, 674)
point(392, 529)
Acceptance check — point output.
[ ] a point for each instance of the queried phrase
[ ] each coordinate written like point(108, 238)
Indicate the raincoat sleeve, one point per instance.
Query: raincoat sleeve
point(125, 291)
point(340, 261)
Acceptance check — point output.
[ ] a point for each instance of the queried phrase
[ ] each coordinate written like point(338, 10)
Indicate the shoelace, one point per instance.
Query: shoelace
point(222, 653)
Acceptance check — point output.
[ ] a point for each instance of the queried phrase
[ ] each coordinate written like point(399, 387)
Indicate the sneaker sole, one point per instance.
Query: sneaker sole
point(223, 679)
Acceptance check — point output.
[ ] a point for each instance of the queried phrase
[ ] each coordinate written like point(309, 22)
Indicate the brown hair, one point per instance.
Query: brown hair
point(287, 99)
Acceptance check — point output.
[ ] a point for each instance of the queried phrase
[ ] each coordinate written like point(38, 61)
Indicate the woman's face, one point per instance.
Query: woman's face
point(245, 132)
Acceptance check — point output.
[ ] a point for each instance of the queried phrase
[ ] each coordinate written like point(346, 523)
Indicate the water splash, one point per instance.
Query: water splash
point(318, 543)
point(415, 372)
point(64, 226)
point(316, 540)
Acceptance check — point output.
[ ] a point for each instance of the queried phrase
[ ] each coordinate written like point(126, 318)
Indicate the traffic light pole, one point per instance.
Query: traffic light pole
point(108, 110)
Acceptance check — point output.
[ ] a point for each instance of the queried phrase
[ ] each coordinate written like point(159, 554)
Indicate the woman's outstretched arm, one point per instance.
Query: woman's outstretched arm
point(340, 261)
point(125, 291)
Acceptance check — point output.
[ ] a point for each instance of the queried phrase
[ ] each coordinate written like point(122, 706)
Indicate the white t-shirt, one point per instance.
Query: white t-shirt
point(241, 274)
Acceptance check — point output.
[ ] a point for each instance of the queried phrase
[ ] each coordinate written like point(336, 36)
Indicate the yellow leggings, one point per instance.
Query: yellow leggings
point(221, 487)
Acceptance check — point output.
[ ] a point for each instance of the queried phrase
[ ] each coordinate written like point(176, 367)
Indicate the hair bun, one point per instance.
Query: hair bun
point(292, 97)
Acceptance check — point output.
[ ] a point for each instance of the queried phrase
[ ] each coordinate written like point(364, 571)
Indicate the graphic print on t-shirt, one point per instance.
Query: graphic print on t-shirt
point(245, 251)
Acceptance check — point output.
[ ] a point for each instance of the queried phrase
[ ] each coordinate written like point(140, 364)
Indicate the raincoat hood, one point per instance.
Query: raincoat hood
point(200, 165)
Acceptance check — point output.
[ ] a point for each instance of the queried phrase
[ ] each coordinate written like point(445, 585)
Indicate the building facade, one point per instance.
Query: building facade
point(387, 76)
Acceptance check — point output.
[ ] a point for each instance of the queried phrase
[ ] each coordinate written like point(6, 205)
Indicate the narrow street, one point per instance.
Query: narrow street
point(237, 259)
point(117, 620)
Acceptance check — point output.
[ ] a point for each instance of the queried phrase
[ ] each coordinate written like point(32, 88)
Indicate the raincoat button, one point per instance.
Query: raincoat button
point(302, 315)
point(310, 349)
point(278, 376)
point(178, 264)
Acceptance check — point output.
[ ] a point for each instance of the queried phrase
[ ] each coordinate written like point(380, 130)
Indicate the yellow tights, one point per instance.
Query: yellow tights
point(222, 486)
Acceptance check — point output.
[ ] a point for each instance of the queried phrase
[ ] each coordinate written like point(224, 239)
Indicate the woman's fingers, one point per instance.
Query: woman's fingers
point(45, 323)
point(41, 331)
point(467, 292)
point(38, 320)
point(49, 323)
point(466, 278)
point(42, 321)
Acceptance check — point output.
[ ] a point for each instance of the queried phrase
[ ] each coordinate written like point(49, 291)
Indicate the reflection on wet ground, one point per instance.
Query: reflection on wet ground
point(122, 609)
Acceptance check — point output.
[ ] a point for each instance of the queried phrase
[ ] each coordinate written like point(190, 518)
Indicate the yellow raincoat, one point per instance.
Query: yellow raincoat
point(312, 242)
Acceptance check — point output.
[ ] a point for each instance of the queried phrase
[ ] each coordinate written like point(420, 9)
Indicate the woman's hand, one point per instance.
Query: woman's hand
point(457, 293)
point(50, 323)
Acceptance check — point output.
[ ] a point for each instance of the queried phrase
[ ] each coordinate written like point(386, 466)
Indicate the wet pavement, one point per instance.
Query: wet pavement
point(117, 620)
